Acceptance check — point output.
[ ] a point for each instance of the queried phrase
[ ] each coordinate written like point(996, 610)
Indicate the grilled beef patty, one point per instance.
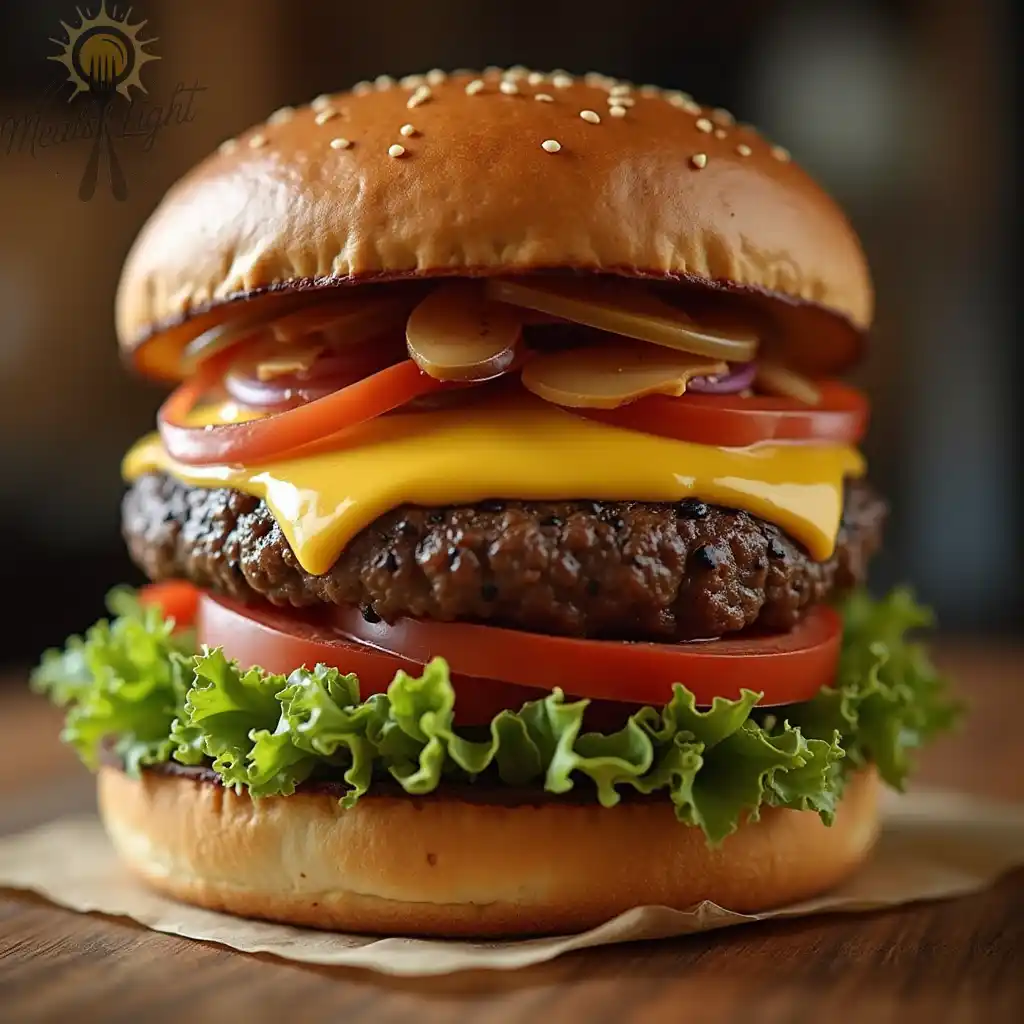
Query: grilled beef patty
point(624, 570)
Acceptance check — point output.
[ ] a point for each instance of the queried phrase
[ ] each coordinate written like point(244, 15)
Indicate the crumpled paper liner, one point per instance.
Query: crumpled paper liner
point(934, 845)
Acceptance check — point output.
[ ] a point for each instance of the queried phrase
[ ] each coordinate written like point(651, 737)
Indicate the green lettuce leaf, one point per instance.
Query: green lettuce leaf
point(135, 685)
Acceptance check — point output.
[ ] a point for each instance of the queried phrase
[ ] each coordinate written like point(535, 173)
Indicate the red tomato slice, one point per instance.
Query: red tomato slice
point(176, 600)
point(281, 642)
point(282, 433)
point(786, 667)
point(736, 422)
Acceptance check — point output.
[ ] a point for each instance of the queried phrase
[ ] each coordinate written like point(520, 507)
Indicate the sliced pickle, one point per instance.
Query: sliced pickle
point(773, 379)
point(607, 376)
point(625, 308)
point(457, 333)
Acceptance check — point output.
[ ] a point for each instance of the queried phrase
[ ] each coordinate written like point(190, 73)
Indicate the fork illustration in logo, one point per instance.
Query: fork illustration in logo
point(103, 55)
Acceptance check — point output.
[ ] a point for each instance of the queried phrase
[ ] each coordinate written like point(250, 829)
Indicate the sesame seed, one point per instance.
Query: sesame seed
point(621, 101)
point(257, 140)
point(361, 88)
point(551, 145)
point(421, 95)
point(650, 91)
point(743, 149)
point(592, 116)
point(691, 108)
point(509, 88)
point(617, 111)
point(325, 115)
point(722, 116)
point(561, 81)
point(408, 130)
point(543, 97)
point(781, 153)
point(594, 78)
point(411, 81)
point(720, 133)
point(703, 125)
point(383, 82)
point(436, 76)
point(281, 116)
point(677, 99)
point(323, 100)
point(621, 90)
point(228, 146)
point(535, 77)
point(396, 151)
point(518, 70)
point(477, 85)
point(340, 143)
point(699, 160)
point(492, 69)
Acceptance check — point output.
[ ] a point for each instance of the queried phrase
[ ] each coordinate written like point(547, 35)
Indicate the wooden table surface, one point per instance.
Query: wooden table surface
point(953, 960)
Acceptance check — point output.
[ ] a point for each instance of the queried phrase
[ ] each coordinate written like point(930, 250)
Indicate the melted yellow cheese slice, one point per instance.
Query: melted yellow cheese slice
point(518, 447)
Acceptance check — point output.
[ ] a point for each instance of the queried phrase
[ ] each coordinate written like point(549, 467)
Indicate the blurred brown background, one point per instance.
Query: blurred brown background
point(903, 109)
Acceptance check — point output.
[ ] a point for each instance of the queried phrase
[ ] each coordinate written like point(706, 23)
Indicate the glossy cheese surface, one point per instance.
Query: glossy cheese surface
point(524, 448)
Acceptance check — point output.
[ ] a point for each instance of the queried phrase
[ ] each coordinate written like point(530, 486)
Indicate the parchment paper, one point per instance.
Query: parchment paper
point(934, 845)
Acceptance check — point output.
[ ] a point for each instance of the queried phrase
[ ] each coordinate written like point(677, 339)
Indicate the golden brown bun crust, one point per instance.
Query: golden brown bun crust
point(450, 868)
point(475, 193)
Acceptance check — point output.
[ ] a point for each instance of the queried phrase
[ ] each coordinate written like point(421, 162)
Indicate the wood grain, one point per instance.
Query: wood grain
point(955, 961)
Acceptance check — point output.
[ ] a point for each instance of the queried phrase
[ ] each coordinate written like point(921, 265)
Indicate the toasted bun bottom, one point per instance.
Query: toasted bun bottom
point(446, 867)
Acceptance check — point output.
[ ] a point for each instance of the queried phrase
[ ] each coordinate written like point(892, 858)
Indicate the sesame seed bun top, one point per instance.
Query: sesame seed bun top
point(500, 172)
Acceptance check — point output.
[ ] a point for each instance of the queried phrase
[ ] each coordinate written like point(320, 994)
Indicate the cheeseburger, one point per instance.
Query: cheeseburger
point(505, 523)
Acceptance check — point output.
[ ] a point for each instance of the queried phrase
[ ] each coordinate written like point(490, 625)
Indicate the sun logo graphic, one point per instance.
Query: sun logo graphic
point(104, 56)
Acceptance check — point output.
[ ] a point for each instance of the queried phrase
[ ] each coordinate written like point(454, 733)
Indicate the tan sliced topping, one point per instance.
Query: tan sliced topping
point(457, 333)
point(626, 308)
point(779, 380)
point(344, 320)
point(293, 362)
point(607, 376)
